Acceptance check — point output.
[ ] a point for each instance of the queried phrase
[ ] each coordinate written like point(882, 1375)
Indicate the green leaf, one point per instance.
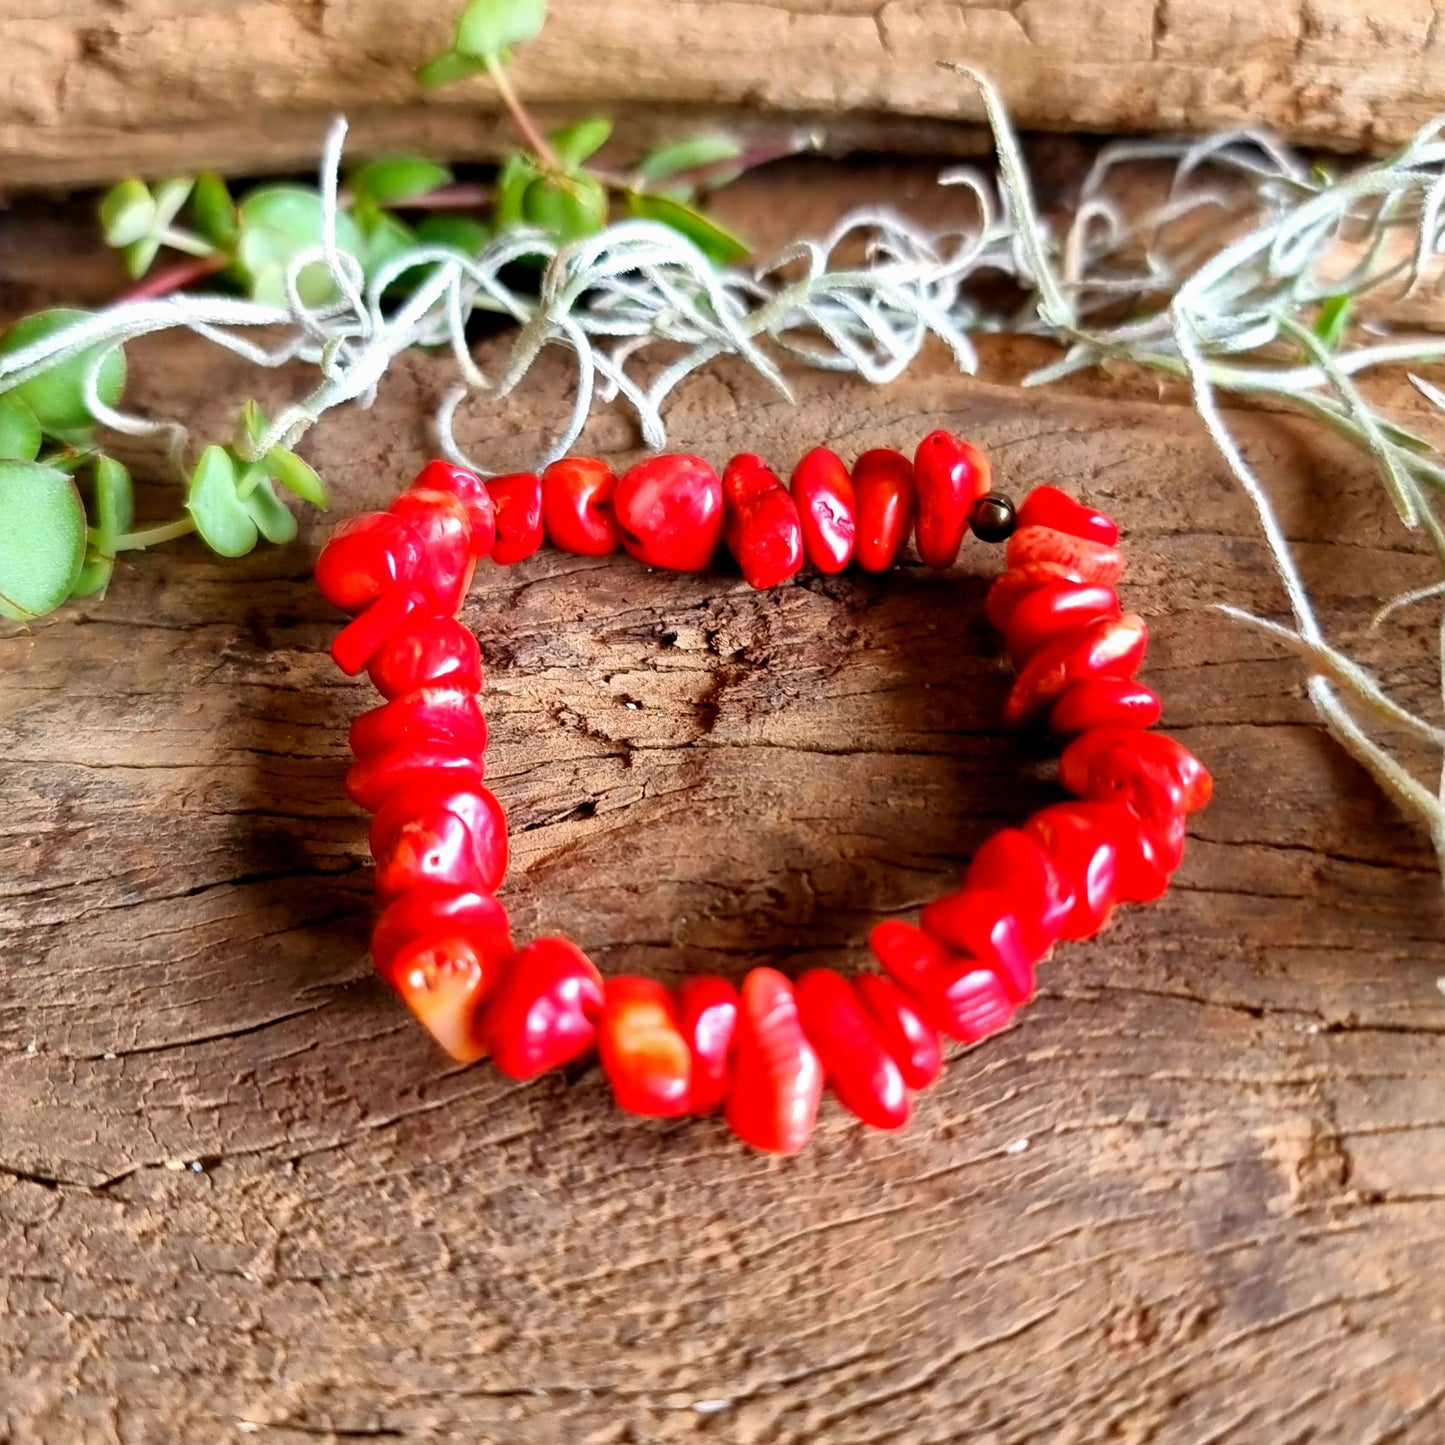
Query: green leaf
point(250, 425)
point(1333, 319)
point(389, 179)
point(493, 27)
point(386, 238)
point(448, 68)
point(691, 155)
point(296, 476)
point(42, 544)
point(716, 242)
point(577, 143)
point(221, 517)
point(567, 207)
point(272, 517)
point(127, 212)
point(57, 396)
point(20, 435)
point(517, 173)
point(94, 574)
point(171, 195)
point(114, 499)
point(457, 233)
point(213, 211)
point(139, 255)
point(278, 223)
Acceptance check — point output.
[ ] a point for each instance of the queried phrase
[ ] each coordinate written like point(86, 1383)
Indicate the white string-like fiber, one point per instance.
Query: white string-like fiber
point(1217, 284)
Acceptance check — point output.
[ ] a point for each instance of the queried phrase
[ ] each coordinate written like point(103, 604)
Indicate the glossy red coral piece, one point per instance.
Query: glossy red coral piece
point(777, 1079)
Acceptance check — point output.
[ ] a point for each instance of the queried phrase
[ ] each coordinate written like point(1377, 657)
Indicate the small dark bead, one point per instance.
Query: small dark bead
point(992, 518)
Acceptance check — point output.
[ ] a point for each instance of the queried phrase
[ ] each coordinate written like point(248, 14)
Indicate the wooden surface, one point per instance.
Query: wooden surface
point(93, 89)
point(1197, 1194)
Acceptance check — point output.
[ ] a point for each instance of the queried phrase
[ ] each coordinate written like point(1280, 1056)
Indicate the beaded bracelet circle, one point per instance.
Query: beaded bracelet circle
point(763, 1052)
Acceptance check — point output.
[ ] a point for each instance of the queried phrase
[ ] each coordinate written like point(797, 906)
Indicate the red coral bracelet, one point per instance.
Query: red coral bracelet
point(762, 1053)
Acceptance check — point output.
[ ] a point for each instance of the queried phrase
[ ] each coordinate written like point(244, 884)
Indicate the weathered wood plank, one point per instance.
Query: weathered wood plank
point(1197, 1194)
point(105, 87)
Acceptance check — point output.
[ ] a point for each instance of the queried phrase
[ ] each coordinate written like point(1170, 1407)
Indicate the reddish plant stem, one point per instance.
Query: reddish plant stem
point(173, 278)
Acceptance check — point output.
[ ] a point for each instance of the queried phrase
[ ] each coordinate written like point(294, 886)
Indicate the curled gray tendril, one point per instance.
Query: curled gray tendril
point(1223, 283)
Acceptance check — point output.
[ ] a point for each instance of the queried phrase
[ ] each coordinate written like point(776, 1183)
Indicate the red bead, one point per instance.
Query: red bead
point(371, 781)
point(440, 714)
point(440, 520)
point(446, 985)
point(1085, 855)
point(366, 556)
point(430, 648)
point(859, 1069)
point(1091, 561)
point(777, 1080)
point(1105, 702)
point(983, 924)
point(823, 492)
point(577, 512)
point(1045, 612)
point(544, 1011)
point(1049, 507)
point(364, 636)
point(906, 1034)
point(1011, 587)
point(1012, 863)
point(424, 919)
point(708, 1008)
point(1110, 647)
point(517, 498)
point(670, 511)
point(885, 498)
point(644, 1052)
point(439, 836)
point(951, 475)
point(471, 491)
point(1139, 873)
point(760, 522)
point(1101, 760)
point(961, 996)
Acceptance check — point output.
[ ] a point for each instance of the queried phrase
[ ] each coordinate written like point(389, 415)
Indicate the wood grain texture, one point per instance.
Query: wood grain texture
point(1197, 1194)
point(91, 89)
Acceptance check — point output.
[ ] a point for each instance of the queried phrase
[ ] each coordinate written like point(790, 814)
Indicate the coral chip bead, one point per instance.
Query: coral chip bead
point(983, 924)
point(643, 1049)
point(964, 998)
point(440, 520)
point(371, 781)
point(517, 498)
point(670, 511)
point(1091, 561)
point(471, 491)
point(858, 1066)
point(760, 523)
point(1086, 856)
point(1045, 612)
point(439, 837)
point(366, 556)
point(1109, 647)
point(906, 1034)
point(1101, 760)
point(429, 648)
point(826, 504)
point(884, 498)
point(360, 640)
point(439, 713)
point(1011, 587)
point(777, 1080)
point(708, 1009)
point(421, 917)
point(1049, 507)
point(543, 1013)
point(1011, 862)
point(445, 983)
point(1105, 702)
point(950, 475)
point(577, 513)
